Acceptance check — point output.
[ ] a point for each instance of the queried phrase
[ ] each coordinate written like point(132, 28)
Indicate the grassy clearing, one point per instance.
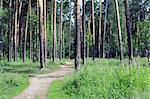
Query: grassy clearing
point(14, 76)
point(104, 79)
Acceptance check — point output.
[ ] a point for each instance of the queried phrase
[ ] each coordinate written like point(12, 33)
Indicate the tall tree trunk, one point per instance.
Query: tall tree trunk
point(45, 31)
point(100, 28)
point(10, 32)
point(105, 27)
point(61, 19)
point(15, 31)
point(70, 32)
point(54, 33)
point(128, 26)
point(20, 25)
point(25, 35)
point(83, 32)
point(77, 34)
point(93, 29)
point(38, 44)
point(41, 34)
point(51, 30)
point(119, 32)
point(30, 35)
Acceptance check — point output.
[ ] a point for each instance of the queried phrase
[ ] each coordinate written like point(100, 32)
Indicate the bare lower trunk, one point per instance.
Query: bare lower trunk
point(41, 34)
point(10, 33)
point(128, 26)
point(83, 32)
point(25, 35)
point(77, 34)
point(15, 31)
point(30, 42)
point(45, 32)
point(100, 28)
point(61, 18)
point(93, 29)
point(119, 32)
point(105, 27)
point(54, 33)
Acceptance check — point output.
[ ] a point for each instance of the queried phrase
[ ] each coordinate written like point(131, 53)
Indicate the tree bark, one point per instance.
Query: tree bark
point(41, 34)
point(30, 32)
point(93, 29)
point(45, 32)
point(100, 28)
point(10, 32)
point(77, 34)
point(128, 26)
point(83, 32)
point(70, 32)
point(51, 30)
point(15, 31)
point(61, 19)
point(105, 27)
point(25, 35)
point(119, 32)
point(54, 33)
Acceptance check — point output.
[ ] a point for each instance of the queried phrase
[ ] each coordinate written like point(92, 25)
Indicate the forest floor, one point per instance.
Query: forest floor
point(39, 84)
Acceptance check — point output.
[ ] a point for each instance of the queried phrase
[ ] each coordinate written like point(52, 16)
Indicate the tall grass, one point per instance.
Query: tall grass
point(106, 79)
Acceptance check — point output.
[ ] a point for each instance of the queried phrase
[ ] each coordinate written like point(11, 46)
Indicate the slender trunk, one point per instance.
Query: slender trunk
point(128, 26)
point(93, 29)
point(20, 23)
point(70, 33)
point(54, 33)
point(119, 32)
point(45, 32)
point(30, 35)
point(10, 32)
point(83, 32)
point(61, 19)
point(15, 31)
point(38, 44)
point(41, 34)
point(19, 26)
point(105, 27)
point(77, 34)
point(25, 35)
point(51, 30)
point(100, 28)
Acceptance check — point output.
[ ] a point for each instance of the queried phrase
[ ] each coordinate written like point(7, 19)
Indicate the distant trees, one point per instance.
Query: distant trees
point(35, 28)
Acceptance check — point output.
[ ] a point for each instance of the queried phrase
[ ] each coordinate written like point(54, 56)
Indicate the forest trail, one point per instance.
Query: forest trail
point(39, 84)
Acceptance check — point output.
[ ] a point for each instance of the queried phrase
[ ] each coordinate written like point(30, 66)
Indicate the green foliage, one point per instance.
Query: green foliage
point(89, 38)
point(103, 79)
point(12, 84)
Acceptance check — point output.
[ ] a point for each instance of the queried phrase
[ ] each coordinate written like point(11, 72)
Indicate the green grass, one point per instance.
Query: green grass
point(12, 84)
point(14, 76)
point(104, 79)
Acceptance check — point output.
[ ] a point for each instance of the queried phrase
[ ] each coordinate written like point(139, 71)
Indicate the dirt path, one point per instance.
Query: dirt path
point(39, 84)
